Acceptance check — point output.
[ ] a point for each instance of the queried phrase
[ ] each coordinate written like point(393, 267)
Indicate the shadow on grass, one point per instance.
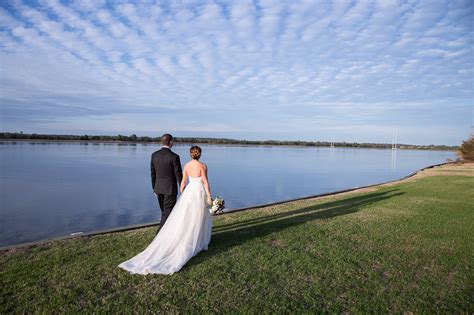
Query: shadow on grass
point(229, 235)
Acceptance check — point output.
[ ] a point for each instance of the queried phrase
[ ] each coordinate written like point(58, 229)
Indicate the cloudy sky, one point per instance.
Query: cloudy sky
point(310, 70)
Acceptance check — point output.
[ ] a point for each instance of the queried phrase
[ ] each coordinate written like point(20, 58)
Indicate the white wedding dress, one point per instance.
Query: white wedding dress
point(186, 232)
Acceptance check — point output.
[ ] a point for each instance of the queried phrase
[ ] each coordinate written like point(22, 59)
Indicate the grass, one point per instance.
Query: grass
point(403, 247)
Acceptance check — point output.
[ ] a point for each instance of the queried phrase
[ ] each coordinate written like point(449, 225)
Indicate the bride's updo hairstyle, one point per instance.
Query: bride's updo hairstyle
point(195, 152)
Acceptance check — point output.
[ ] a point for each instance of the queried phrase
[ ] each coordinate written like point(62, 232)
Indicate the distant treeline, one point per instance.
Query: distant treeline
point(145, 139)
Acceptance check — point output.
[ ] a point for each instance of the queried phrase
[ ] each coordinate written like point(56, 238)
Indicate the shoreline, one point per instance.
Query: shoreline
point(155, 223)
point(95, 142)
point(374, 250)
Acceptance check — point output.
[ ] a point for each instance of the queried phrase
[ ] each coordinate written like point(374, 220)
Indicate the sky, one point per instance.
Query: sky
point(343, 70)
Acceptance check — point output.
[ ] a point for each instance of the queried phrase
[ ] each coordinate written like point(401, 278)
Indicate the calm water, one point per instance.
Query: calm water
point(55, 189)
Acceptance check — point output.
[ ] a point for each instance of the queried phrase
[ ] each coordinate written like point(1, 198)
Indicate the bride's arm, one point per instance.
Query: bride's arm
point(206, 183)
point(183, 181)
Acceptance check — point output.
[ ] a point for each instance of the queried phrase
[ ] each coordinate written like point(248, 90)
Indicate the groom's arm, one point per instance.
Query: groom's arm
point(153, 174)
point(177, 169)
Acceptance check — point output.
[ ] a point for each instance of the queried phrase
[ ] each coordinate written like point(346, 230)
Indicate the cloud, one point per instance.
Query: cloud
point(256, 67)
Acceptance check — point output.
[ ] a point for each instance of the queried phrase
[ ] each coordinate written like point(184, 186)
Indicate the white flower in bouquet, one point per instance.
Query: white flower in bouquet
point(217, 205)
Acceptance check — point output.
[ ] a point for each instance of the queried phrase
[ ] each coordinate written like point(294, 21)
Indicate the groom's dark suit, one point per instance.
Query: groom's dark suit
point(165, 173)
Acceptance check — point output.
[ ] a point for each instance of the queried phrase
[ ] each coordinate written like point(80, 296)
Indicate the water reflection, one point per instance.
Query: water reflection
point(393, 164)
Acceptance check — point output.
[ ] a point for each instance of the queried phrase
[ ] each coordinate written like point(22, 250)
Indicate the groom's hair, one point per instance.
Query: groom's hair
point(166, 139)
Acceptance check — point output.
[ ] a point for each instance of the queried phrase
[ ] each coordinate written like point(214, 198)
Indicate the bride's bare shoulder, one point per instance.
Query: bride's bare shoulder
point(188, 165)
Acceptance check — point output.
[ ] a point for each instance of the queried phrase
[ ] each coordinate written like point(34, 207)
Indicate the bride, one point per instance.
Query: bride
point(187, 230)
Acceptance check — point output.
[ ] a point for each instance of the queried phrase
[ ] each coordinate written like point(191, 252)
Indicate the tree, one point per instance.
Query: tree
point(466, 151)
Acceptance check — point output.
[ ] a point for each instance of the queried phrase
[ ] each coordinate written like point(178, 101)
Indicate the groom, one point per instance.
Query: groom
point(165, 174)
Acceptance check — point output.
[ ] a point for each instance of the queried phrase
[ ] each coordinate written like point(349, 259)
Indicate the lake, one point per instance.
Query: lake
point(50, 189)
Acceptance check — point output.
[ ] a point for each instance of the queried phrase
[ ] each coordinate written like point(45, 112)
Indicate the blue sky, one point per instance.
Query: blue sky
point(310, 70)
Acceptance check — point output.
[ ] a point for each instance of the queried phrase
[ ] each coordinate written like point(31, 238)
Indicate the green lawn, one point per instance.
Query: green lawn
point(404, 247)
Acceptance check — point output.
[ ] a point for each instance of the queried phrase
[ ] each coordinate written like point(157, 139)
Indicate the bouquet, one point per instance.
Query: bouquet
point(217, 205)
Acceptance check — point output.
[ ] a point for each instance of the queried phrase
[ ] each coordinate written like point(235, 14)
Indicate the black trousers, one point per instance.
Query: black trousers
point(167, 203)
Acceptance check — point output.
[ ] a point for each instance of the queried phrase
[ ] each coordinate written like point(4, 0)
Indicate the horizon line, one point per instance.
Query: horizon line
point(216, 138)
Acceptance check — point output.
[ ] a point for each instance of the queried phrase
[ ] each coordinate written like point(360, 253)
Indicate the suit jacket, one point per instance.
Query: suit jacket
point(165, 172)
